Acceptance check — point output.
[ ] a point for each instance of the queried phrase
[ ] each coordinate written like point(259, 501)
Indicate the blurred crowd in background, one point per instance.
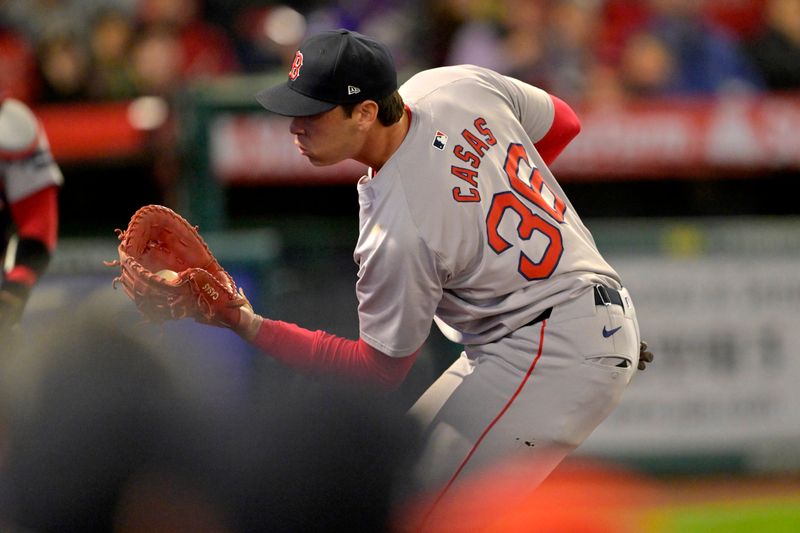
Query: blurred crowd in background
point(586, 51)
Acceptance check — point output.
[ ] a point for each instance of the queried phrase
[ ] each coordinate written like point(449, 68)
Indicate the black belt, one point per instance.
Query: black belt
point(606, 296)
point(602, 296)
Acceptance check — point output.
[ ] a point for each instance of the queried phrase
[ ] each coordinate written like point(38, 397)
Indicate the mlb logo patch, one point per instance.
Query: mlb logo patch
point(440, 140)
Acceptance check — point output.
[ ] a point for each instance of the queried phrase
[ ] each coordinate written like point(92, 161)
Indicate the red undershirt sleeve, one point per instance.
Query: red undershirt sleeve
point(565, 127)
point(320, 352)
point(36, 220)
point(36, 216)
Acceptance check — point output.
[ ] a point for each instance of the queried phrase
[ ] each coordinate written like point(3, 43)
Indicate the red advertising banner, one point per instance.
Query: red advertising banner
point(686, 139)
point(689, 138)
point(91, 131)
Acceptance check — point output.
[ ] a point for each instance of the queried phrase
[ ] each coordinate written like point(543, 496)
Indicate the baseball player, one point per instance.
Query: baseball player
point(462, 224)
point(29, 184)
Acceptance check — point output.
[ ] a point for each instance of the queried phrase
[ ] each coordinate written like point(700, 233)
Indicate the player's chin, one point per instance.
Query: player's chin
point(318, 161)
point(314, 160)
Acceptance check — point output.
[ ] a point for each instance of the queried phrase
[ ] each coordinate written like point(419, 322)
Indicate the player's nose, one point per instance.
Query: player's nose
point(296, 126)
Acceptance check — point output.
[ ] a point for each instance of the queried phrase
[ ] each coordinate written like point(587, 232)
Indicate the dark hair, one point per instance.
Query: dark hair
point(390, 109)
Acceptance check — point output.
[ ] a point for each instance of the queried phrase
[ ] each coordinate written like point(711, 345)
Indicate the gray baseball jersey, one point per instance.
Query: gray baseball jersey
point(465, 225)
point(26, 164)
point(466, 220)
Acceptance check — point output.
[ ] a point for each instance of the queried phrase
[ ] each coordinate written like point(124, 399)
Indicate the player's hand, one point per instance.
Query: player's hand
point(645, 356)
point(249, 322)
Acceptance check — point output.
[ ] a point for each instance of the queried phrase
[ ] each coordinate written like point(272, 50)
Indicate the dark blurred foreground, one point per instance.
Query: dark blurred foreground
point(107, 430)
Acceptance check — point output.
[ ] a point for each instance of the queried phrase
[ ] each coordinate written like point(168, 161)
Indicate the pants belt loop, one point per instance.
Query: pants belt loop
point(603, 295)
point(607, 296)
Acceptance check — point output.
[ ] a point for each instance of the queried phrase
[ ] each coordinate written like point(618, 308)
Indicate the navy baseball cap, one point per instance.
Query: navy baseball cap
point(332, 68)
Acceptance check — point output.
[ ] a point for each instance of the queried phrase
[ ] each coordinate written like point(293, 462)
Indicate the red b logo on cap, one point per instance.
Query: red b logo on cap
point(296, 64)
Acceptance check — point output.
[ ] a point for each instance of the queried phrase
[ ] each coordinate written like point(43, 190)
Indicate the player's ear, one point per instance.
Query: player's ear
point(366, 112)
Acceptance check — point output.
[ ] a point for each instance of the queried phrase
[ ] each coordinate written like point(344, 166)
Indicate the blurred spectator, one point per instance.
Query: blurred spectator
point(267, 37)
point(647, 66)
point(708, 60)
point(64, 68)
point(110, 40)
point(497, 35)
point(206, 49)
point(603, 88)
point(444, 20)
point(776, 50)
point(566, 46)
point(40, 19)
point(620, 19)
point(740, 17)
point(17, 64)
point(525, 50)
point(396, 23)
point(157, 57)
point(441, 22)
point(477, 34)
point(573, 30)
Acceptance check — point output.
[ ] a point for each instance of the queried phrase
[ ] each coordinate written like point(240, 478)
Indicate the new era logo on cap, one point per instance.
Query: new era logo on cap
point(353, 90)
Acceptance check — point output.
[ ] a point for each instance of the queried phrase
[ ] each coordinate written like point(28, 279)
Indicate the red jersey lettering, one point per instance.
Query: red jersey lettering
point(477, 144)
point(466, 174)
point(466, 156)
point(483, 129)
point(473, 196)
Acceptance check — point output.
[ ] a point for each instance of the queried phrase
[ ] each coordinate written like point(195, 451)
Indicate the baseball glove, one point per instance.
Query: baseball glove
point(168, 271)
